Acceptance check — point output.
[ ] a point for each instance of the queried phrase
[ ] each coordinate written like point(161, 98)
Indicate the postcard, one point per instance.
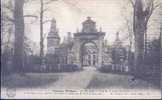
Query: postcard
point(81, 49)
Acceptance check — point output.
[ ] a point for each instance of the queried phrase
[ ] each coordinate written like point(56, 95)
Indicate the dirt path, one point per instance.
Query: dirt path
point(76, 80)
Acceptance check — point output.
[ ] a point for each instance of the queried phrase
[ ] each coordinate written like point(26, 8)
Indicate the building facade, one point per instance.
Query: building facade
point(86, 48)
point(89, 34)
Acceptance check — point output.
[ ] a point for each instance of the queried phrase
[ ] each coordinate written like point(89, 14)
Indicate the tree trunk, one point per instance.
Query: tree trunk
point(19, 35)
point(41, 30)
point(130, 53)
point(139, 30)
point(139, 50)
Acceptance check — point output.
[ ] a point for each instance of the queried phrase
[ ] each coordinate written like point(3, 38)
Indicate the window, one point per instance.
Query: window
point(89, 57)
point(94, 62)
point(94, 56)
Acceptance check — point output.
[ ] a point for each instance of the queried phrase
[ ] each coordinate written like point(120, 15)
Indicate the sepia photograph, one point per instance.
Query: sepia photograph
point(81, 49)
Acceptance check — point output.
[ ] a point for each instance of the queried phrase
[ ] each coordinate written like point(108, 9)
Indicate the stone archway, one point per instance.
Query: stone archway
point(89, 54)
point(89, 33)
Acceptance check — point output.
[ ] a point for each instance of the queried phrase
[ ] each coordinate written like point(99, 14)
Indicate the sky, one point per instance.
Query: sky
point(70, 14)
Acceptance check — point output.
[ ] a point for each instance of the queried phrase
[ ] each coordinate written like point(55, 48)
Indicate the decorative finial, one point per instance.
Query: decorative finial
point(53, 20)
point(89, 18)
point(100, 29)
point(53, 25)
point(69, 33)
point(117, 36)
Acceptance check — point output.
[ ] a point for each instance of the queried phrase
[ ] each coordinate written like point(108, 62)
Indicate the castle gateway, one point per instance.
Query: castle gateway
point(84, 49)
point(88, 45)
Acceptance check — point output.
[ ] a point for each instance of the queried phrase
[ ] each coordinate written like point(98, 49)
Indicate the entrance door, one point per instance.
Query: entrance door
point(89, 55)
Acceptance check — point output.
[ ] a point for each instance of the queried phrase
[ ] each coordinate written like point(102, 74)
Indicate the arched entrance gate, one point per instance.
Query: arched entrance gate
point(89, 54)
point(89, 34)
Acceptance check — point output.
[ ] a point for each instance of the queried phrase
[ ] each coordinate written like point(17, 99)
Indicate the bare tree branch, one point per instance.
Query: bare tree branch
point(8, 24)
point(131, 1)
point(50, 1)
point(151, 8)
point(32, 16)
point(157, 3)
point(156, 6)
point(8, 7)
point(44, 10)
point(10, 19)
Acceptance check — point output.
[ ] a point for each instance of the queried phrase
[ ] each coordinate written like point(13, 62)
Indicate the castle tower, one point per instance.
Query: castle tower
point(69, 37)
point(89, 26)
point(53, 38)
point(118, 42)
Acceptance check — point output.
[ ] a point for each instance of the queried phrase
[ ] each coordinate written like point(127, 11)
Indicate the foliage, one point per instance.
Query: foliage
point(142, 11)
point(69, 68)
point(106, 68)
point(153, 55)
point(118, 55)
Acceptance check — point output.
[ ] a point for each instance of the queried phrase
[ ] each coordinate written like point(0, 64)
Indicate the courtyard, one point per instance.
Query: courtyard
point(88, 78)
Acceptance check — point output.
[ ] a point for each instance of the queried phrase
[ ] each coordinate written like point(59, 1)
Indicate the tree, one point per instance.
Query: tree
point(41, 29)
point(42, 22)
point(13, 18)
point(153, 57)
point(161, 36)
point(6, 25)
point(128, 28)
point(19, 34)
point(141, 16)
point(130, 37)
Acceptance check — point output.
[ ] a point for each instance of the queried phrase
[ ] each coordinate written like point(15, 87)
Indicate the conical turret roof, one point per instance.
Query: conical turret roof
point(53, 30)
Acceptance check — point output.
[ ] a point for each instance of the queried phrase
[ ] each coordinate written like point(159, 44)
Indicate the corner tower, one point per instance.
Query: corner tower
point(53, 39)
